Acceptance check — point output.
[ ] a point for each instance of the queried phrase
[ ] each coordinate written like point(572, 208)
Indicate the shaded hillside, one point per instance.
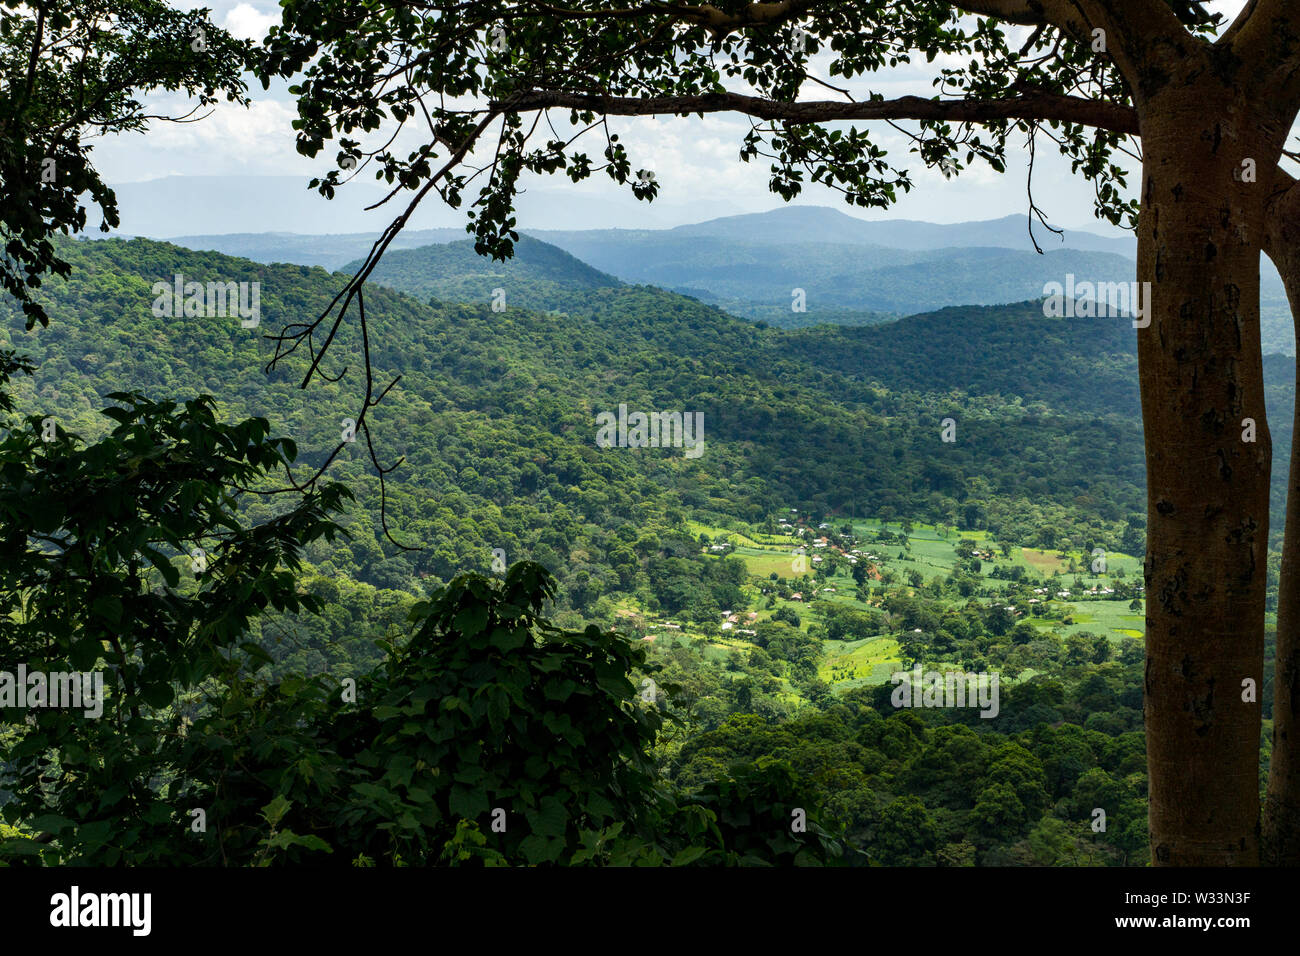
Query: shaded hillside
point(1010, 350)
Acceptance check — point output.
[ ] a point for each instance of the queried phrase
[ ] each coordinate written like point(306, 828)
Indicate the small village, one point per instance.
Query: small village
point(798, 567)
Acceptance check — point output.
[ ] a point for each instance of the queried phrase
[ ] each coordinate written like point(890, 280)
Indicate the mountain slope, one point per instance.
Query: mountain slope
point(538, 276)
point(764, 282)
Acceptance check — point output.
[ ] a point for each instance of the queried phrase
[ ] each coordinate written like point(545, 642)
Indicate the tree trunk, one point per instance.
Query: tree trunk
point(1201, 375)
point(1281, 823)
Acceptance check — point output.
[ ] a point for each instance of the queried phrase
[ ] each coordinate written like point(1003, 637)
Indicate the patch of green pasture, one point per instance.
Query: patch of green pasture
point(750, 538)
point(763, 563)
point(1111, 618)
point(867, 661)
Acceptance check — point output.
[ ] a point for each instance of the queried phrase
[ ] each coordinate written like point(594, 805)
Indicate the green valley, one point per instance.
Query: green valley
point(828, 538)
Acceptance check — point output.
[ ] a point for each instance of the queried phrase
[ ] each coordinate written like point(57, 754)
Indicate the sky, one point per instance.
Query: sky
point(695, 161)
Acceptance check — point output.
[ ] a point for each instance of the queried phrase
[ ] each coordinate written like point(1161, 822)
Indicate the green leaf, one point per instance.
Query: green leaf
point(257, 652)
point(164, 566)
point(468, 803)
point(549, 819)
point(689, 855)
point(287, 838)
point(108, 607)
point(274, 811)
point(509, 639)
point(472, 619)
point(498, 709)
point(539, 849)
point(157, 693)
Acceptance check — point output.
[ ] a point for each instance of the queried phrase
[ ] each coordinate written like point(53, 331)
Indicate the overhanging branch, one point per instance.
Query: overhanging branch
point(1023, 12)
point(714, 19)
point(1267, 32)
point(1031, 106)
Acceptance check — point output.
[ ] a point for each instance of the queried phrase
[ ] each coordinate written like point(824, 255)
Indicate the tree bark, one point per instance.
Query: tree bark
point(1201, 376)
point(1280, 840)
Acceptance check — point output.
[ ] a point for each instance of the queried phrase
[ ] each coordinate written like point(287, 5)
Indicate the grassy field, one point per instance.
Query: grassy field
point(1112, 618)
point(855, 663)
point(751, 538)
point(932, 557)
point(1044, 562)
point(764, 562)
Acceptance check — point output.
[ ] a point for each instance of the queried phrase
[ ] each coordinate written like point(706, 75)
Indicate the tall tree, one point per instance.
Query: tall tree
point(1281, 823)
point(484, 83)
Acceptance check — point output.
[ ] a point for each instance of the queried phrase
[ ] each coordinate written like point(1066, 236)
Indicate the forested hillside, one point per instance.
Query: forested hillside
point(833, 420)
point(1065, 367)
point(539, 276)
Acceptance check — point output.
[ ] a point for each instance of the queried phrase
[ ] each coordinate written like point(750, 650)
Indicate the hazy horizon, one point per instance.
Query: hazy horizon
point(270, 209)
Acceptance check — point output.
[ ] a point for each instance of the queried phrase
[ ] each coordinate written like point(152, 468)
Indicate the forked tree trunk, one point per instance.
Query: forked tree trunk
point(1207, 489)
point(1280, 843)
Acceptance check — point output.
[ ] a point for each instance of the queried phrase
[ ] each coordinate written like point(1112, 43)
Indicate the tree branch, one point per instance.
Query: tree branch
point(1133, 31)
point(1268, 32)
point(1281, 217)
point(1147, 19)
point(1035, 106)
point(1030, 13)
point(1229, 36)
point(717, 21)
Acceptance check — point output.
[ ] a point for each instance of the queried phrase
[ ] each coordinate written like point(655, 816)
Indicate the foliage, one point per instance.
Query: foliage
point(76, 67)
point(196, 758)
point(90, 583)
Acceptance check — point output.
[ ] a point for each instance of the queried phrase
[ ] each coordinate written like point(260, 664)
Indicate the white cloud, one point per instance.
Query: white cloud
point(246, 21)
point(231, 140)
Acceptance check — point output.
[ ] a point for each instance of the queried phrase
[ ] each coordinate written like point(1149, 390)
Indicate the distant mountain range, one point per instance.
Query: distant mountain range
point(793, 266)
point(327, 251)
point(826, 225)
point(758, 277)
point(798, 224)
